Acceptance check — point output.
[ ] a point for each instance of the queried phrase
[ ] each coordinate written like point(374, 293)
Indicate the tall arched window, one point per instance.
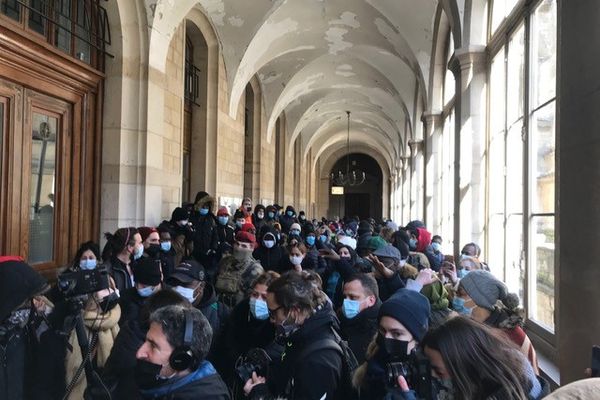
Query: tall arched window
point(521, 149)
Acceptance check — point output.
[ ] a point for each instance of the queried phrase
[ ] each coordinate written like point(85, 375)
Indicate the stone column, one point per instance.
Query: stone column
point(468, 65)
point(432, 122)
point(578, 194)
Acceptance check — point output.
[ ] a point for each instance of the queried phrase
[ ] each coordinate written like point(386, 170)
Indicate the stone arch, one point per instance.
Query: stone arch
point(253, 139)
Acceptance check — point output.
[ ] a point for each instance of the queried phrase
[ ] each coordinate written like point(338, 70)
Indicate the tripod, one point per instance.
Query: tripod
point(96, 389)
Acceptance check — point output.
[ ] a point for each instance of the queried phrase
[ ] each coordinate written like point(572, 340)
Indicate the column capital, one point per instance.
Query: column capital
point(429, 117)
point(415, 145)
point(466, 58)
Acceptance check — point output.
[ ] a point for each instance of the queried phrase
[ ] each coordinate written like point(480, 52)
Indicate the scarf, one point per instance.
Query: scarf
point(101, 330)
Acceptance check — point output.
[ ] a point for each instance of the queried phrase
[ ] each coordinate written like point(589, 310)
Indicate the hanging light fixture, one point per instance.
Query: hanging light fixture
point(352, 177)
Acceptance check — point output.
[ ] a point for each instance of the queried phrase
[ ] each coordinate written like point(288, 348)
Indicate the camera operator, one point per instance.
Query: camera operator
point(19, 284)
point(394, 352)
point(171, 362)
point(91, 300)
point(302, 316)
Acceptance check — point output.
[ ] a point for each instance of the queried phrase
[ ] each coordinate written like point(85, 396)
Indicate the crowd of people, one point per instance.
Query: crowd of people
point(265, 304)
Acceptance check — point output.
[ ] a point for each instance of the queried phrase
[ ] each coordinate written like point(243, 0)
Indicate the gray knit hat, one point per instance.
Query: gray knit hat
point(484, 288)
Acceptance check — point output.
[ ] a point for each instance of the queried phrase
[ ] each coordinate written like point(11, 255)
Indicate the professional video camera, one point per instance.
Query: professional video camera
point(417, 372)
point(83, 282)
point(256, 360)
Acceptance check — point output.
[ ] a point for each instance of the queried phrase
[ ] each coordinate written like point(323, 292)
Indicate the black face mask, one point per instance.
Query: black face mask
point(147, 374)
point(153, 250)
point(392, 348)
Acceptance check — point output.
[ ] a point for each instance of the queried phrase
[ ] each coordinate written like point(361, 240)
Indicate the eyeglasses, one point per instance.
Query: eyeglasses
point(272, 312)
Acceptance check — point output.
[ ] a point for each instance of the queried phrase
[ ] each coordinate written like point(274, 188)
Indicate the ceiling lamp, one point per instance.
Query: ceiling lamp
point(352, 177)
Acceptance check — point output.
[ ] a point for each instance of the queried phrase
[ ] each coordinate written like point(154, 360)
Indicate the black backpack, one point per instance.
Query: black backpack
point(345, 390)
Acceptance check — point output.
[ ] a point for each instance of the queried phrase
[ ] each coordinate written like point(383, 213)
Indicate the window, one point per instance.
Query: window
point(77, 27)
point(446, 165)
point(521, 162)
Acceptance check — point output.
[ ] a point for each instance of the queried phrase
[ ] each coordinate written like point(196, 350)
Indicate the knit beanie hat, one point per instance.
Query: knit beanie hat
point(18, 282)
point(295, 225)
point(223, 212)
point(147, 271)
point(409, 308)
point(179, 214)
point(484, 288)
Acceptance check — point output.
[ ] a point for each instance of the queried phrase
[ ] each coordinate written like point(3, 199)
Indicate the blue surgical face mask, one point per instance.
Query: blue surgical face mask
point(458, 304)
point(290, 213)
point(239, 224)
point(295, 232)
point(271, 214)
point(351, 308)
point(139, 252)
point(436, 246)
point(349, 232)
point(412, 243)
point(223, 220)
point(310, 240)
point(165, 246)
point(146, 291)
point(185, 292)
point(203, 211)
point(88, 264)
point(259, 309)
point(323, 238)
point(462, 273)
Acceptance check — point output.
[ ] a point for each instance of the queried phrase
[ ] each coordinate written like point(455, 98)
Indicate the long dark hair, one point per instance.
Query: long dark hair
point(115, 243)
point(480, 362)
point(92, 246)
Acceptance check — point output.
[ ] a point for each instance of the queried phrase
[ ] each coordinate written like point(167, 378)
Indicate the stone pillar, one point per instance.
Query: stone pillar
point(433, 132)
point(469, 68)
point(578, 195)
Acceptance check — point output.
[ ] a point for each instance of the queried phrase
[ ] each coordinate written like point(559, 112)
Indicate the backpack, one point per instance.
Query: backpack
point(234, 277)
point(345, 390)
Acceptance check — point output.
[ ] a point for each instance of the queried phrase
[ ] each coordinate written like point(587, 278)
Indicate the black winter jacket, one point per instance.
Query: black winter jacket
point(360, 330)
point(131, 304)
point(118, 270)
point(313, 377)
point(271, 259)
point(313, 261)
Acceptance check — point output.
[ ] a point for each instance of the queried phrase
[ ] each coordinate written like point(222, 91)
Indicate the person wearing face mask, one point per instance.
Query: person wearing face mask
point(249, 327)
point(206, 240)
point(486, 299)
point(312, 261)
point(302, 316)
point(239, 220)
point(225, 232)
point(402, 324)
point(358, 315)
point(302, 219)
point(269, 253)
point(296, 254)
point(172, 362)
point(436, 249)
point(119, 370)
point(237, 271)
point(19, 285)
point(150, 240)
point(60, 357)
point(287, 219)
point(473, 251)
point(456, 351)
point(365, 233)
point(295, 230)
point(182, 234)
point(258, 217)
point(420, 246)
point(167, 253)
point(270, 215)
point(340, 266)
point(121, 249)
point(148, 279)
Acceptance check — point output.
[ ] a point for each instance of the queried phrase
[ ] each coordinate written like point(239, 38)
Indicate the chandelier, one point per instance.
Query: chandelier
point(352, 177)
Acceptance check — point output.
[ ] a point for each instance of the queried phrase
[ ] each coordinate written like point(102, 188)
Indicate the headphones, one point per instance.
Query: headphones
point(182, 357)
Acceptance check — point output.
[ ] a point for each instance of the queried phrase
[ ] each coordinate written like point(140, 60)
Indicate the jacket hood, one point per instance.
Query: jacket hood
point(424, 240)
point(258, 208)
point(203, 200)
point(18, 282)
point(290, 208)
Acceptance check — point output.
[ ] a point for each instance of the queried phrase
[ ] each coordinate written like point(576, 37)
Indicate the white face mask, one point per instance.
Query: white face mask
point(185, 292)
point(296, 260)
point(269, 243)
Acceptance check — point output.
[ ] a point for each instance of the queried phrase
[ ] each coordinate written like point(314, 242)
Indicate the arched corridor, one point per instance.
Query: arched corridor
point(477, 118)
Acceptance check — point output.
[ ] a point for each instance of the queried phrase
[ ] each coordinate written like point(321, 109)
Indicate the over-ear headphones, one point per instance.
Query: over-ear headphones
point(182, 357)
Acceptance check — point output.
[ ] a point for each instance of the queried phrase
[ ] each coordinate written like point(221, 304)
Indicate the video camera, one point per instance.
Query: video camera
point(416, 371)
point(256, 360)
point(83, 282)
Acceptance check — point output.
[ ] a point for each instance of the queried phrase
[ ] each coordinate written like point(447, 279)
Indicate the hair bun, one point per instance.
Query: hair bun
point(511, 301)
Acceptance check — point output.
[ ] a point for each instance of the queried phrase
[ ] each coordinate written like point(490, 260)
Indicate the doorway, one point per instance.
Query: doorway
point(358, 204)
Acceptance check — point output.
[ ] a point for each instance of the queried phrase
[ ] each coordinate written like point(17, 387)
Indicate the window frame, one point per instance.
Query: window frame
point(541, 336)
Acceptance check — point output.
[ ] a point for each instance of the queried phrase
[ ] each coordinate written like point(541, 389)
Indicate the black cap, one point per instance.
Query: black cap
point(187, 272)
point(179, 214)
point(147, 271)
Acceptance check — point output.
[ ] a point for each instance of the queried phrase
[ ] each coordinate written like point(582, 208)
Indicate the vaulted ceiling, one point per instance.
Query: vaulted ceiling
point(315, 59)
